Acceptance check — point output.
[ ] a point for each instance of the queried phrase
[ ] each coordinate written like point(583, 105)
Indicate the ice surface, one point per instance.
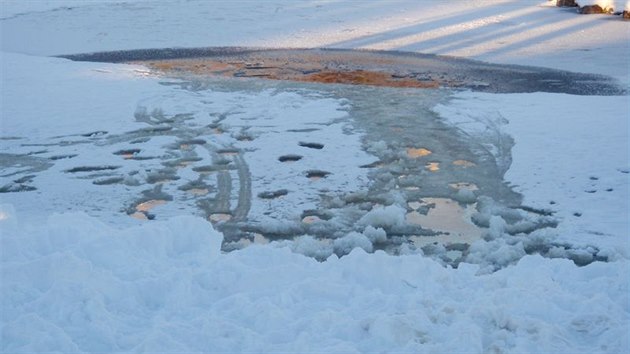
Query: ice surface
point(569, 158)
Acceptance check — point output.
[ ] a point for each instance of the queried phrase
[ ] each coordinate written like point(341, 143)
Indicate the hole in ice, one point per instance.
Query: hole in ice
point(315, 175)
point(61, 157)
point(417, 152)
point(317, 146)
point(162, 176)
point(91, 169)
point(273, 194)
point(289, 158)
point(127, 153)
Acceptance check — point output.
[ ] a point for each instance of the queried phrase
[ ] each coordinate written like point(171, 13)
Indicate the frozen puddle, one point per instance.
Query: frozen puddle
point(324, 167)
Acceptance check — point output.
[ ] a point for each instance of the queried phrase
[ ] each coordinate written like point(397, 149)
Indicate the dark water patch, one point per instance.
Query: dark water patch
point(316, 146)
point(289, 158)
point(164, 175)
point(91, 169)
point(192, 142)
point(273, 194)
point(316, 174)
point(62, 157)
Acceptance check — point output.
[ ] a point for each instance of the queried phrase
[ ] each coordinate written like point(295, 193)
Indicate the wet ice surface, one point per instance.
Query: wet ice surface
point(342, 166)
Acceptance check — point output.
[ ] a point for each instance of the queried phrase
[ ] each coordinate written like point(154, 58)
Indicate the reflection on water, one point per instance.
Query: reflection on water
point(148, 205)
point(447, 216)
point(219, 217)
point(463, 163)
point(433, 166)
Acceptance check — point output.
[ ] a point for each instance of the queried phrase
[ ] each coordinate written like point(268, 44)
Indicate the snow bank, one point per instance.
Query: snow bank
point(76, 285)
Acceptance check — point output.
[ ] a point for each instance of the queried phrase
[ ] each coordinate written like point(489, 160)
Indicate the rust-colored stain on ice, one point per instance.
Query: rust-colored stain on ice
point(417, 152)
point(365, 70)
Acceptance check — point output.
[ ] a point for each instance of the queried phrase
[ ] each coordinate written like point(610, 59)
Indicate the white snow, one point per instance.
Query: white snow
point(109, 283)
point(75, 284)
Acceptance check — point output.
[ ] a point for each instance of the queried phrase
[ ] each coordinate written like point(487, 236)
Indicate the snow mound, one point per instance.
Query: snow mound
point(77, 285)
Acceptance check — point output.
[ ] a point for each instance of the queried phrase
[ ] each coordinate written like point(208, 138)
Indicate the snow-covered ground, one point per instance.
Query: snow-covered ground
point(78, 274)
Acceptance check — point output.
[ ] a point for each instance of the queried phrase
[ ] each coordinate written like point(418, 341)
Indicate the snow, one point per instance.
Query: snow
point(79, 275)
point(76, 284)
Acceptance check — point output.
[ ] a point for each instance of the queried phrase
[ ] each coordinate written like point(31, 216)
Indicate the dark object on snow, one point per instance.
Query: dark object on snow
point(626, 15)
point(566, 3)
point(592, 9)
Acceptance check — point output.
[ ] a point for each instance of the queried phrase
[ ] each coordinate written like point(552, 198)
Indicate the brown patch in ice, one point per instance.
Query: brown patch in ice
point(324, 67)
point(364, 77)
point(417, 152)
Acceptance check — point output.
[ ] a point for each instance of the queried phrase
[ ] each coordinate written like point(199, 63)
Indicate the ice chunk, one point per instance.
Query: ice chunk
point(385, 217)
point(346, 244)
point(375, 235)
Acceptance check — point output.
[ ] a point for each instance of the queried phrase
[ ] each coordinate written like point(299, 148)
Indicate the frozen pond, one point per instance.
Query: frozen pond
point(271, 160)
point(327, 166)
